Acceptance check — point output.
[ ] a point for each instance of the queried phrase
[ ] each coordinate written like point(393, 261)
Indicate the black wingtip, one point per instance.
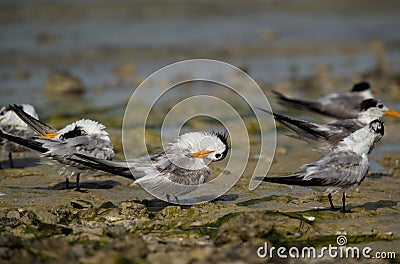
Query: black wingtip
point(35, 124)
point(28, 143)
point(101, 165)
point(265, 110)
point(278, 94)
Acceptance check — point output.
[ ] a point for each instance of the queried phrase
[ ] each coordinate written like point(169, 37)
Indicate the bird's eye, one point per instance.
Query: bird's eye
point(380, 106)
point(218, 155)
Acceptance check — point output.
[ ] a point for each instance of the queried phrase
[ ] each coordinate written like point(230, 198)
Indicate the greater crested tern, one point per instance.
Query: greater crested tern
point(323, 136)
point(85, 136)
point(336, 105)
point(175, 170)
point(343, 167)
point(12, 124)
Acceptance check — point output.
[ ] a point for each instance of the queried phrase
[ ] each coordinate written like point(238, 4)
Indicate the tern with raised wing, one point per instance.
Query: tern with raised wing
point(323, 136)
point(85, 136)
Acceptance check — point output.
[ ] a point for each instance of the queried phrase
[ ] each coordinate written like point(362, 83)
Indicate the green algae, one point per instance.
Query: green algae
point(284, 199)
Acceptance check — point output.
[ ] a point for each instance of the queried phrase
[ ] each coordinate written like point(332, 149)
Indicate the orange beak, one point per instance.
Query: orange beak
point(392, 113)
point(51, 135)
point(202, 154)
point(375, 91)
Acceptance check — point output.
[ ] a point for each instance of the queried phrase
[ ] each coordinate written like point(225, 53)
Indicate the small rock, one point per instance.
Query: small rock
point(26, 220)
point(8, 222)
point(309, 218)
point(81, 204)
point(244, 227)
point(13, 214)
point(131, 247)
point(170, 212)
point(114, 231)
point(63, 83)
point(42, 216)
point(133, 210)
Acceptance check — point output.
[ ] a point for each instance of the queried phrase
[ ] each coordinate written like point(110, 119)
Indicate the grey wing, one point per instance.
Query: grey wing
point(342, 169)
point(350, 125)
point(178, 168)
point(332, 133)
point(183, 170)
point(63, 150)
point(342, 106)
point(172, 176)
point(305, 130)
point(326, 137)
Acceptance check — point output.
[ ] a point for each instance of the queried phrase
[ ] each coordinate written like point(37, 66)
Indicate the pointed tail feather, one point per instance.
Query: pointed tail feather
point(304, 129)
point(294, 179)
point(297, 103)
point(28, 143)
point(104, 165)
point(32, 122)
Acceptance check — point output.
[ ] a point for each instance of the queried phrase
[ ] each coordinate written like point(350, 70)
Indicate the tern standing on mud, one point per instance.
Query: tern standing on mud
point(343, 167)
point(337, 105)
point(326, 135)
point(11, 123)
point(84, 136)
point(176, 170)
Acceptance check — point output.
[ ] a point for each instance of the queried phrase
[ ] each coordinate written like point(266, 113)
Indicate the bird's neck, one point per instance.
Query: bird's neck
point(367, 94)
point(359, 142)
point(366, 117)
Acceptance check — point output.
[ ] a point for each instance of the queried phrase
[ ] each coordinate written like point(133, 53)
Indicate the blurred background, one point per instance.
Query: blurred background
point(74, 59)
point(101, 50)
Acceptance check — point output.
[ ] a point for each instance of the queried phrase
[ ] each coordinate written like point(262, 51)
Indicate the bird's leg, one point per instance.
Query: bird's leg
point(344, 201)
point(77, 181)
point(10, 158)
point(330, 201)
point(176, 199)
point(78, 188)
